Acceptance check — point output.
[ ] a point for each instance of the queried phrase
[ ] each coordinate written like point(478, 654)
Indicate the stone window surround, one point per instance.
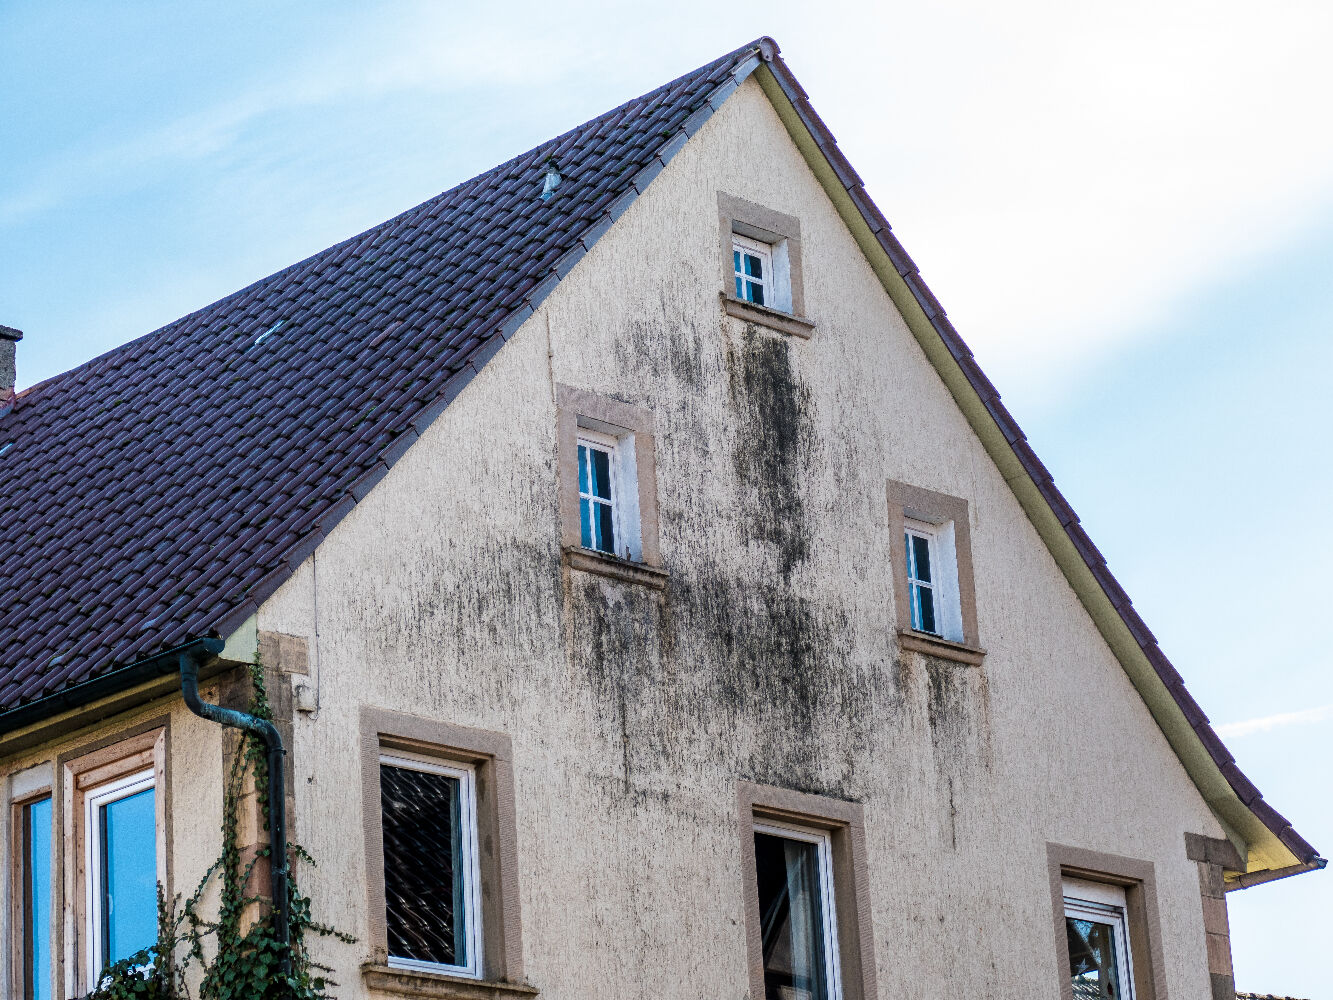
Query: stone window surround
point(491, 754)
point(1139, 881)
point(1215, 856)
point(576, 408)
point(919, 504)
point(736, 215)
point(78, 770)
point(845, 823)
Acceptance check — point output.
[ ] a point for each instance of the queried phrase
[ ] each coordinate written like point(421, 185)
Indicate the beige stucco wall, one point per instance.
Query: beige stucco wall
point(771, 658)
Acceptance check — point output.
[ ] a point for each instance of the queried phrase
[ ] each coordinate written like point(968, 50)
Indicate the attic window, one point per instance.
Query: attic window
point(599, 519)
point(753, 263)
point(608, 504)
point(930, 549)
point(762, 270)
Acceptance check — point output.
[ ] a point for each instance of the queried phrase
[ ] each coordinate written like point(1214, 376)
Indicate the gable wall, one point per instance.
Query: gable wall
point(771, 658)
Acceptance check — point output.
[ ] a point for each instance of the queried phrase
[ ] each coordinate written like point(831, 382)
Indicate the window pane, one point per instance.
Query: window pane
point(585, 523)
point(754, 266)
point(604, 528)
point(925, 606)
point(791, 918)
point(921, 557)
point(583, 468)
point(600, 485)
point(129, 875)
point(1092, 959)
point(756, 293)
point(423, 871)
point(37, 899)
point(736, 261)
point(740, 291)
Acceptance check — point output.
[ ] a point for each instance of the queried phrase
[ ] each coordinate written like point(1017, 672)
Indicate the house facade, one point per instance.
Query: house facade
point(704, 628)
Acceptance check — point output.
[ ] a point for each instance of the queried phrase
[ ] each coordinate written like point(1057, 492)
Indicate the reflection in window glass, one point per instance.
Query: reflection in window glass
point(921, 587)
point(37, 899)
point(429, 843)
point(596, 498)
point(129, 875)
point(791, 914)
point(752, 264)
point(1099, 963)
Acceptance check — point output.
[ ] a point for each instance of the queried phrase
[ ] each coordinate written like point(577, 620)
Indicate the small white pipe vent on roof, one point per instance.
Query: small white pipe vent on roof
point(552, 181)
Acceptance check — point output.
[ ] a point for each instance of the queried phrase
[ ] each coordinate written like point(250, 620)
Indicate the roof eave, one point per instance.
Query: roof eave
point(1264, 838)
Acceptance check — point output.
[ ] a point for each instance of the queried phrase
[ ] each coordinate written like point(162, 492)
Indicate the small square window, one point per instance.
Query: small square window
point(1100, 964)
point(753, 263)
point(120, 853)
point(431, 882)
point(798, 924)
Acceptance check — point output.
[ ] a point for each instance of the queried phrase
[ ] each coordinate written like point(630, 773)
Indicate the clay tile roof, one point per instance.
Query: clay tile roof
point(161, 491)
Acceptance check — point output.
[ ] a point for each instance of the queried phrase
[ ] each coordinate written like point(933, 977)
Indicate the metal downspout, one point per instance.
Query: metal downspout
point(277, 796)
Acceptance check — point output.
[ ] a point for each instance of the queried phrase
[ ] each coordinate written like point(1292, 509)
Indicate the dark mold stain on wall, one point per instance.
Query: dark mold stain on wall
point(774, 437)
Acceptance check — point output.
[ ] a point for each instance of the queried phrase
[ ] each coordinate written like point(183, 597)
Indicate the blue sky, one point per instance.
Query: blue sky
point(1128, 212)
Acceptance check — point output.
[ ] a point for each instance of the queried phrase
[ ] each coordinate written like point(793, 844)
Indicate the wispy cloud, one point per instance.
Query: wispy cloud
point(1262, 725)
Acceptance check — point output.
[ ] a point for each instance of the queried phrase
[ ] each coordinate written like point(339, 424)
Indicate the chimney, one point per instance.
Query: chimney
point(9, 338)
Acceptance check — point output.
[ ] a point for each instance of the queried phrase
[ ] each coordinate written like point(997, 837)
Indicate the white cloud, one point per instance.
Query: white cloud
point(1268, 722)
point(1063, 173)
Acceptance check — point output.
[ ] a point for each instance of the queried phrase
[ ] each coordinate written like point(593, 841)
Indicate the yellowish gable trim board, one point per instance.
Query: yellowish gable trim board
point(1255, 842)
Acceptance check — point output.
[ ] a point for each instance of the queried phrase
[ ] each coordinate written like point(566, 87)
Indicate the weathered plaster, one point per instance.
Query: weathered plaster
point(772, 655)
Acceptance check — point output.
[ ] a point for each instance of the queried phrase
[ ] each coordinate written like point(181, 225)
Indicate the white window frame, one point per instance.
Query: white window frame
point(610, 445)
point(828, 909)
point(943, 584)
point(764, 251)
point(625, 516)
point(93, 801)
point(1101, 903)
point(466, 775)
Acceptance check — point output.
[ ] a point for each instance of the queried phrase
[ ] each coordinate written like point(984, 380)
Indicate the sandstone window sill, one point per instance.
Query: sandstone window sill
point(773, 319)
point(944, 649)
point(589, 561)
point(411, 983)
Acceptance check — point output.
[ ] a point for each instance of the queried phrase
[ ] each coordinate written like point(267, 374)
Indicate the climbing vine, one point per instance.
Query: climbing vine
point(246, 955)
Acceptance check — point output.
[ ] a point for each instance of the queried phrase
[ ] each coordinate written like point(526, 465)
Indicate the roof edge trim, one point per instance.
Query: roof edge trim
point(1273, 843)
point(109, 683)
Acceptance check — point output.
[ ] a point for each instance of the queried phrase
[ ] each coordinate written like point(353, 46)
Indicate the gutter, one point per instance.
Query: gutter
point(277, 790)
point(113, 682)
point(1247, 880)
